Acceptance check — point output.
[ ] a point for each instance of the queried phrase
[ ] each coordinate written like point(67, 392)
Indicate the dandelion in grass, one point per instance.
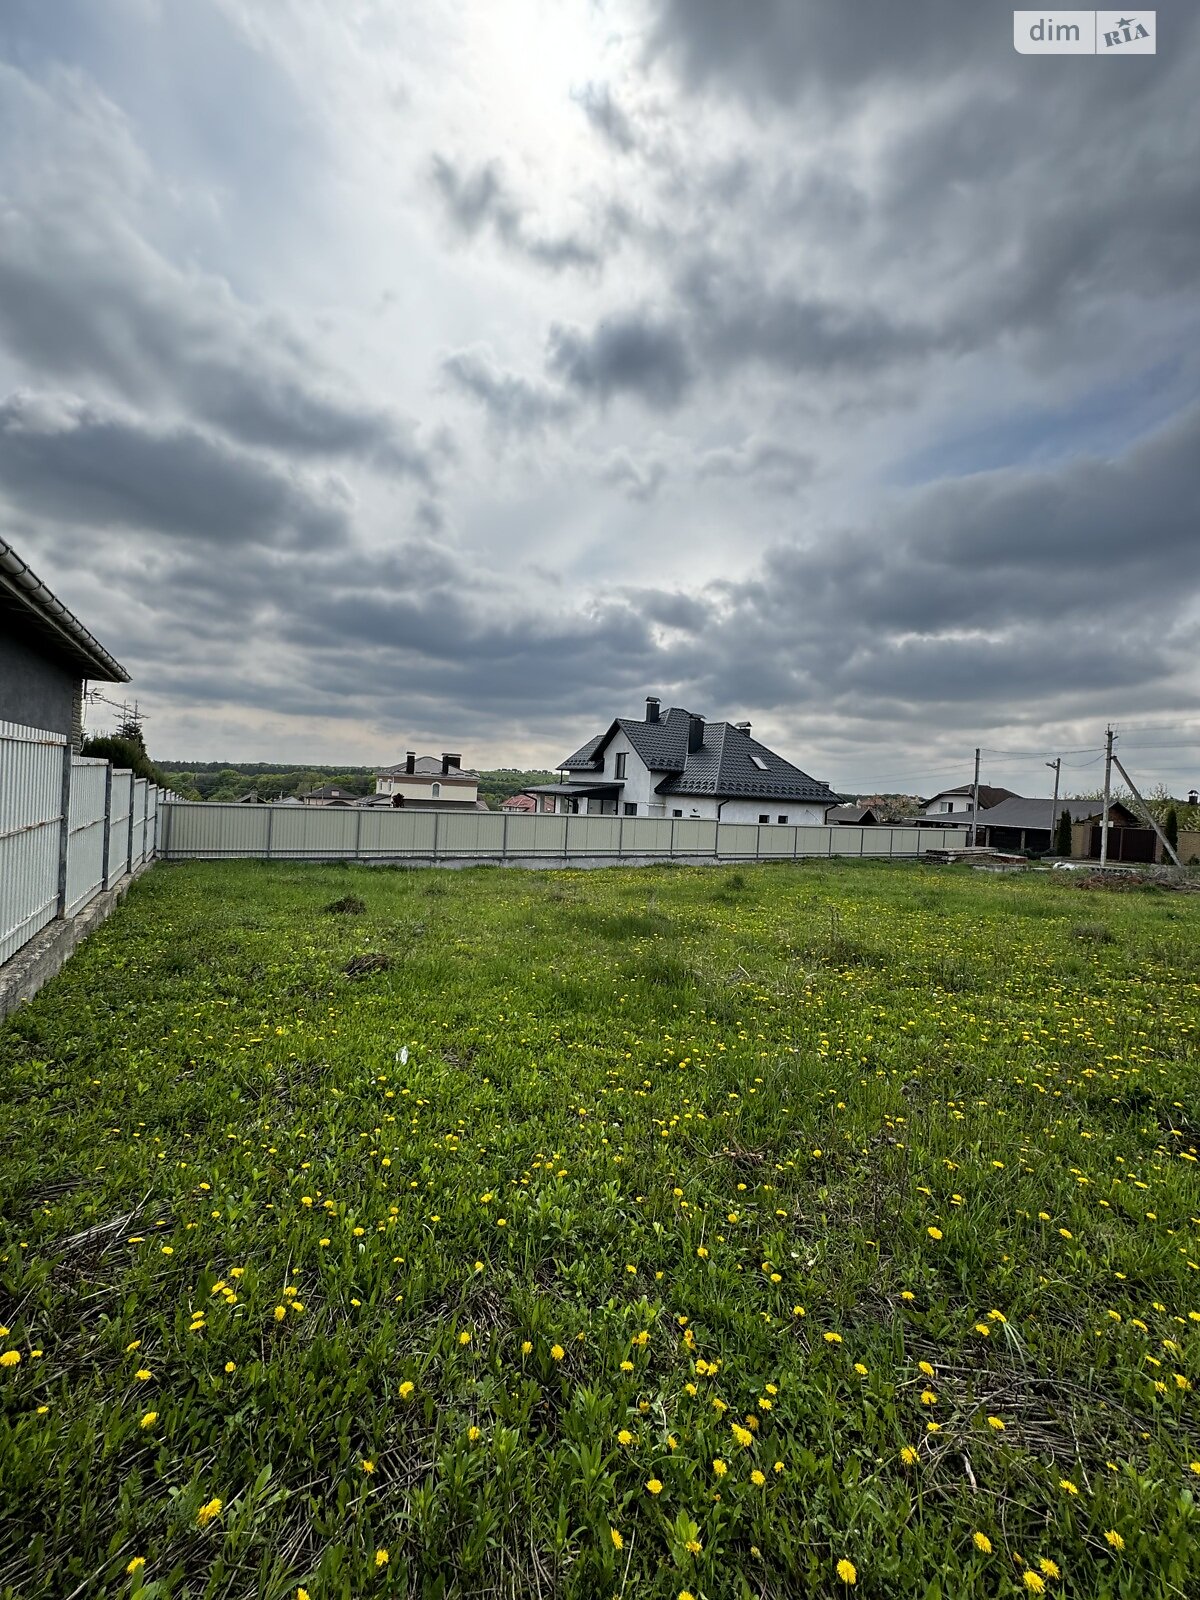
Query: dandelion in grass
point(368, 1467)
point(934, 1233)
point(1113, 1538)
point(210, 1512)
point(381, 1558)
point(982, 1543)
point(757, 1479)
point(526, 1347)
point(557, 1352)
point(1050, 1568)
point(983, 1330)
point(231, 1366)
point(832, 1338)
point(10, 1358)
point(654, 1485)
point(464, 1337)
point(1067, 1486)
point(148, 1420)
point(719, 1467)
point(136, 1565)
point(143, 1374)
point(908, 1455)
point(280, 1313)
point(618, 1541)
point(924, 1366)
point(1033, 1581)
point(743, 1435)
point(928, 1398)
point(847, 1572)
point(996, 1424)
point(473, 1434)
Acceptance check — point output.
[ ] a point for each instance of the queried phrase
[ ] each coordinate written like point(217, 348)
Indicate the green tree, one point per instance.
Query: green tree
point(1062, 834)
point(1171, 828)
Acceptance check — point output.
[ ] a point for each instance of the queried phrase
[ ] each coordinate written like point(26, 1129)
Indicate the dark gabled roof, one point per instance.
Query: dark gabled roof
point(424, 767)
point(721, 767)
point(851, 815)
point(24, 596)
point(1021, 813)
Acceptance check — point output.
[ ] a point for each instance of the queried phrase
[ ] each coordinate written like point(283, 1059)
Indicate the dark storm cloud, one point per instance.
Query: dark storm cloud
point(63, 458)
point(116, 313)
point(513, 404)
point(481, 199)
point(635, 354)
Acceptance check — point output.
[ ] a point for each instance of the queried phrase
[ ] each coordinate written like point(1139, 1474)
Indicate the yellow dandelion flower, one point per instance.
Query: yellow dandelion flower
point(934, 1233)
point(743, 1436)
point(526, 1347)
point(618, 1542)
point(982, 1328)
point(472, 1434)
point(1067, 1486)
point(210, 1512)
point(832, 1338)
point(907, 1294)
point(757, 1479)
point(1114, 1539)
point(143, 1374)
point(10, 1358)
point(406, 1388)
point(654, 1485)
point(557, 1352)
point(381, 1558)
point(136, 1565)
point(148, 1421)
point(368, 1467)
point(231, 1366)
point(280, 1313)
point(996, 1423)
point(847, 1572)
point(860, 1369)
point(928, 1398)
point(1033, 1581)
point(464, 1337)
point(982, 1542)
point(923, 1366)
point(1050, 1568)
point(719, 1467)
point(908, 1455)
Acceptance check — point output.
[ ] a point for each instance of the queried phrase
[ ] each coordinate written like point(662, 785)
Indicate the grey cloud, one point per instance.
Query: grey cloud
point(773, 467)
point(632, 354)
point(481, 199)
point(640, 480)
point(63, 458)
point(607, 117)
point(513, 404)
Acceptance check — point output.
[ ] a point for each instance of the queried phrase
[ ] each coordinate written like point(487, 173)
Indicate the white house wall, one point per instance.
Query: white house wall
point(422, 789)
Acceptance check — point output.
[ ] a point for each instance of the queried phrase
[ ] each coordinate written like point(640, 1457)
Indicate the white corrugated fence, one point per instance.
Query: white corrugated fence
point(70, 826)
point(192, 831)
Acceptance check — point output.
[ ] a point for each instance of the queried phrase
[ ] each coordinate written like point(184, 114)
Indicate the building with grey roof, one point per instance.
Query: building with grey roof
point(674, 763)
point(46, 654)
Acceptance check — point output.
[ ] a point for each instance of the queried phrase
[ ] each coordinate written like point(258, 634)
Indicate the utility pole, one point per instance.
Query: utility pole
point(1057, 765)
point(1147, 813)
point(1108, 760)
point(975, 803)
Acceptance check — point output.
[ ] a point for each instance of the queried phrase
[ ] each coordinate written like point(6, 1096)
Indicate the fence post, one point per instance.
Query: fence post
point(270, 822)
point(891, 843)
point(129, 831)
point(107, 826)
point(503, 835)
point(64, 836)
point(758, 828)
point(671, 850)
point(620, 836)
point(358, 837)
point(436, 815)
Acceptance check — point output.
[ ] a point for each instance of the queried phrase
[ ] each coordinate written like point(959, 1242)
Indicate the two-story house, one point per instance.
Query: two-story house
point(675, 764)
point(429, 783)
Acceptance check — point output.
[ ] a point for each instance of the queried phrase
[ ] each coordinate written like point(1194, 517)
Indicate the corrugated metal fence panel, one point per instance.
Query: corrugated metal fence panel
point(647, 836)
point(312, 830)
point(86, 823)
point(779, 840)
point(591, 836)
point(31, 769)
point(137, 847)
point(475, 833)
point(737, 840)
point(537, 835)
point(119, 806)
point(397, 833)
point(695, 836)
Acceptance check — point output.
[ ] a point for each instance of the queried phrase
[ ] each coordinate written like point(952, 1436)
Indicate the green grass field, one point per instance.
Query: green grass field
point(800, 1230)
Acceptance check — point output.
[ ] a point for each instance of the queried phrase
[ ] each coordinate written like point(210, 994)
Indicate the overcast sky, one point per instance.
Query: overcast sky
point(378, 376)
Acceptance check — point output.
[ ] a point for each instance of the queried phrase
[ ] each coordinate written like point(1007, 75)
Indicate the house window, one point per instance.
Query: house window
point(781, 819)
point(436, 790)
point(677, 813)
point(759, 763)
point(630, 808)
point(763, 817)
point(619, 768)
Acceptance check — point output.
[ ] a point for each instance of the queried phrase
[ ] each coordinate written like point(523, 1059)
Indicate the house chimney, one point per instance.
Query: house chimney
point(743, 727)
point(450, 760)
point(410, 761)
point(695, 734)
point(651, 708)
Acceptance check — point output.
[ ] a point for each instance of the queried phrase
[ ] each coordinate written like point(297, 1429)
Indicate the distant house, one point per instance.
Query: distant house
point(329, 794)
point(675, 764)
point(430, 783)
point(851, 816)
point(46, 655)
point(1021, 824)
point(519, 803)
point(953, 807)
